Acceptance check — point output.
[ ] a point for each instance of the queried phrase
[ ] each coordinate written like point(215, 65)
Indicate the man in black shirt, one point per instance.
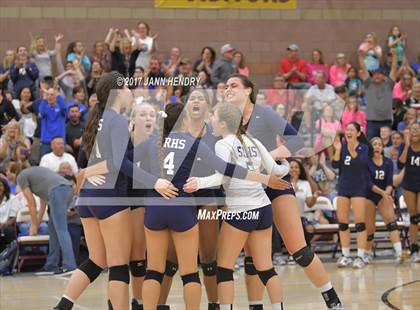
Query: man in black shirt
point(7, 111)
point(74, 129)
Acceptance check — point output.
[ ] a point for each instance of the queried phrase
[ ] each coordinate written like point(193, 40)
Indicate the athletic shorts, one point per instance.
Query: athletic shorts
point(410, 188)
point(100, 212)
point(176, 218)
point(264, 220)
point(274, 193)
point(205, 196)
point(352, 194)
point(374, 197)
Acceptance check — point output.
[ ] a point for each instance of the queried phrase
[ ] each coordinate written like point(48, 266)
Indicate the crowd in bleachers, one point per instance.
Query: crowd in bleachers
point(47, 94)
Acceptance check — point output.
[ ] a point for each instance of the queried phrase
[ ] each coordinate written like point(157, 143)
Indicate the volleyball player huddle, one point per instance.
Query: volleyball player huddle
point(165, 162)
point(366, 182)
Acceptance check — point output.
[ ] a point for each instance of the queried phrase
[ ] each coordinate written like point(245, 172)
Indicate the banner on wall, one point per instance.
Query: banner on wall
point(227, 4)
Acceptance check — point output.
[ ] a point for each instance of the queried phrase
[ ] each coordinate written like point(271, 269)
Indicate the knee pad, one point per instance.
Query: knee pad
point(110, 307)
point(370, 237)
point(249, 266)
point(360, 227)
point(266, 275)
point(392, 226)
point(154, 275)
point(304, 256)
point(415, 219)
point(223, 275)
point(170, 268)
point(119, 273)
point(343, 226)
point(138, 268)
point(190, 278)
point(90, 269)
point(210, 269)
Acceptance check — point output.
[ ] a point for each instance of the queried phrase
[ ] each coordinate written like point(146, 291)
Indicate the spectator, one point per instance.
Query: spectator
point(239, 60)
point(76, 53)
point(220, 93)
point(281, 110)
point(8, 61)
point(93, 78)
point(327, 127)
point(42, 56)
point(170, 66)
point(185, 70)
point(57, 191)
point(53, 160)
point(12, 171)
point(386, 65)
point(154, 69)
point(204, 80)
point(20, 155)
point(205, 63)
point(371, 51)
point(122, 57)
point(354, 83)
point(341, 92)
point(7, 216)
point(397, 41)
point(403, 89)
point(28, 120)
point(415, 65)
point(93, 99)
point(13, 134)
point(378, 89)
point(385, 135)
point(23, 73)
point(399, 111)
point(293, 68)
point(225, 66)
point(7, 111)
point(352, 113)
point(101, 55)
point(317, 65)
point(414, 100)
point(394, 150)
point(146, 44)
point(338, 71)
point(79, 100)
point(410, 117)
point(74, 129)
point(279, 93)
point(52, 111)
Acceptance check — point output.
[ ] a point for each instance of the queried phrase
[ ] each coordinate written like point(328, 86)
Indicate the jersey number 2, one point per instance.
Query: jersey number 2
point(168, 163)
point(347, 160)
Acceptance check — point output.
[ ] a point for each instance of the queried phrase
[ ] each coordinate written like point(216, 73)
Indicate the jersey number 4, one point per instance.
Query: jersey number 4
point(168, 163)
point(415, 161)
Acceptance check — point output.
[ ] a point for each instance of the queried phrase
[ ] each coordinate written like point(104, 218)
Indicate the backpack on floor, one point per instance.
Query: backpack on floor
point(8, 259)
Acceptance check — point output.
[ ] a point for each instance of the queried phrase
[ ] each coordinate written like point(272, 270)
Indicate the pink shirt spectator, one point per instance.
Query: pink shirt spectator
point(338, 75)
point(313, 69)
point(357, 116)
point(398, 93)
point(329, 129)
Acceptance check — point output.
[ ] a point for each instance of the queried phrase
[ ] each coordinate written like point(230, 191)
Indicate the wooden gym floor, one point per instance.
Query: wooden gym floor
point(382, 285)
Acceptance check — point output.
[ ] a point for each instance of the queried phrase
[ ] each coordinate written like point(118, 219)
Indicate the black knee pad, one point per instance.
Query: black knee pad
point(360, 227)
point(266, 275)
point(119, 273)
point(191, 277)
point(110, 307)
point(90, 269)
point(304, 256)
point(223, 275)
point(392, 226)
point(343, 226)
point(415, 219)
point(154, 275)
point(370, 237)
point(210, 269)
point(138, 268)
point(249, 266)
point(170, 268)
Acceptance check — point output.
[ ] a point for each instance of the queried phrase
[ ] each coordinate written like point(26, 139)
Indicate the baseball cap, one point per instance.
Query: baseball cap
point(293, 47)
point(226, 48)
point(380, 70)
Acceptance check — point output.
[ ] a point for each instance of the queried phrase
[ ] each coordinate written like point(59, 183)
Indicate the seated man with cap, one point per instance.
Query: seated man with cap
point(294, 69)
point(225, 66)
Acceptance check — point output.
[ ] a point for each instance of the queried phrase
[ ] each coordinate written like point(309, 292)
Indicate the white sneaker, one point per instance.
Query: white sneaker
point(290, 260)
point(278, 260)
point(368, 258)
point(344, 261)
point(399, 259)
point(358, 263)
point(415, 257)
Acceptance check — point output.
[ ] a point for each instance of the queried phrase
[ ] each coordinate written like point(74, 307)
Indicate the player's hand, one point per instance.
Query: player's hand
point(96, 179)
point(80, 180)
point(337, 143)
point(191, 185)
point(387, 198)
point(277, 183)
point(33, 229)
point(166, 189)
